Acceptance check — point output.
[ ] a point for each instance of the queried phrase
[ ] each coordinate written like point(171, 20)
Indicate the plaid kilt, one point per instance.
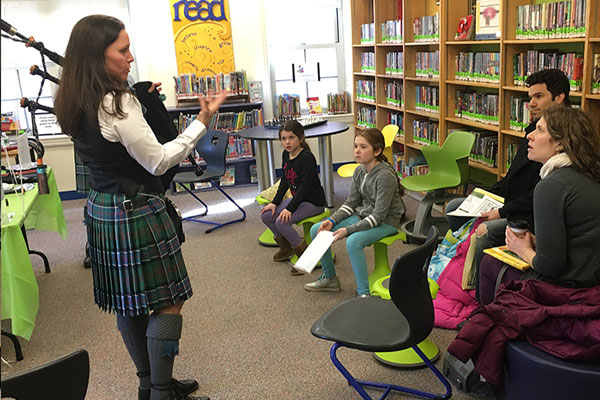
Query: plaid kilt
point(137, 265)
point(81, 176)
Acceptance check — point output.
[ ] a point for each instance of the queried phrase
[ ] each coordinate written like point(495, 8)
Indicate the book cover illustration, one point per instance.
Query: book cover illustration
point(228, 178)
point(314, 105)
point(503, 254)
point(465, 28)
point(488, 20)
point(255, 91)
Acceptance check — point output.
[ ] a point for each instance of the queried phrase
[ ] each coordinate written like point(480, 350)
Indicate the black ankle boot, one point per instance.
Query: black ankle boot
point(181, 388)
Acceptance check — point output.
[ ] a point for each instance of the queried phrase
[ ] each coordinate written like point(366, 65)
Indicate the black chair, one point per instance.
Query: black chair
point(211, 148)
point(63, 379)
point(374, 324)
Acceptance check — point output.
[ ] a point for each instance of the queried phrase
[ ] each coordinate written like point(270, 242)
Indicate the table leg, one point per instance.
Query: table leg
point(36, 252)
point(263, 165)
point(271, 163)
point(15, 340)
point(326, 168)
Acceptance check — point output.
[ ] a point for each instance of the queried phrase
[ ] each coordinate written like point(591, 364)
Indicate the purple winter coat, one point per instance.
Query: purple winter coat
point(560, 321)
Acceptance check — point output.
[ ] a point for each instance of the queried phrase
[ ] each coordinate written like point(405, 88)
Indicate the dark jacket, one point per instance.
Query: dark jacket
point(517, 187)
point(560, 321)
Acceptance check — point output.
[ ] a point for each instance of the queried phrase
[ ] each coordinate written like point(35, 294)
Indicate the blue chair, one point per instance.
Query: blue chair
point(211, 148)
point(374, 324)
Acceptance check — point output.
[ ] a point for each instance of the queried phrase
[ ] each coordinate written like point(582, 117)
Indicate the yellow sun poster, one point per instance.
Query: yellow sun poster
point(202, 35)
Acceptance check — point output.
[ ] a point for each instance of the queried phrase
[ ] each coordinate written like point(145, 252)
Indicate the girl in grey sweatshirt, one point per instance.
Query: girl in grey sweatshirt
point(373, 210)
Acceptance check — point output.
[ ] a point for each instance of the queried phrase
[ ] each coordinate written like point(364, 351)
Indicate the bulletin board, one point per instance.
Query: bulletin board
point(202, 36)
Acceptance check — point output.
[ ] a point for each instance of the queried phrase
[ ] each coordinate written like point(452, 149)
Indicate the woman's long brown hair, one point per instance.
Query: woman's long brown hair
point(84, 80)
point(574, 129)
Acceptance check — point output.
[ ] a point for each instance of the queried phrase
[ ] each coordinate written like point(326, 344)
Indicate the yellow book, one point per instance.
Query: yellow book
point(503, 254)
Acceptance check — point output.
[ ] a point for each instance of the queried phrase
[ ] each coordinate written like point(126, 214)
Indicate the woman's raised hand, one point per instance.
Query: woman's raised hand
point(209, 106)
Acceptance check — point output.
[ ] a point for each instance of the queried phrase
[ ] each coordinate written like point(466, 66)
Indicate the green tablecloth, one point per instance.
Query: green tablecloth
point(20, 296)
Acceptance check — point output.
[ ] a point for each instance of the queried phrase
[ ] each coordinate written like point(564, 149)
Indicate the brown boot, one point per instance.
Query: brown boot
point(298, 250)
point(285, 249)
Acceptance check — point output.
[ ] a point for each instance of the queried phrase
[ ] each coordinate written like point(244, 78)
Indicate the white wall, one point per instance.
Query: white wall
point(149, 25)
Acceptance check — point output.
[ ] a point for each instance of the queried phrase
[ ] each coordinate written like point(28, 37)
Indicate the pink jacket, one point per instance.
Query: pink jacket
point(453, 304)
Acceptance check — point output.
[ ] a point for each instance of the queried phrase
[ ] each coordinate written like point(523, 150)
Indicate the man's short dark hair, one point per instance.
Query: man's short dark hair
point(556, 82)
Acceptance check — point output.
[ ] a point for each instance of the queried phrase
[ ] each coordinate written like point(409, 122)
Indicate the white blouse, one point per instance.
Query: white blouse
point(135, 134)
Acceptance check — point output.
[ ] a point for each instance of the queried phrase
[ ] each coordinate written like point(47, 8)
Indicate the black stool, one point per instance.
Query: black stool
point(534, 374)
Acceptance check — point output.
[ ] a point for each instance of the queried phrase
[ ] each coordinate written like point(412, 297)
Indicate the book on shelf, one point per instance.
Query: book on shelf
point(232, 148)
point(190, 86)
point(253, 173)
point(314, 105)
point(596, 74)
point(255, 91)
point(228, 178)
point(337, 103)
point(478, 202)
point(464, 31)
point(551, 20)
point(487, 25)
point(503, 254)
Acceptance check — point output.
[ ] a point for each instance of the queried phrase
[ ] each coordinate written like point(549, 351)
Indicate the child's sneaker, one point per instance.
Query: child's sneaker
point(324, 285)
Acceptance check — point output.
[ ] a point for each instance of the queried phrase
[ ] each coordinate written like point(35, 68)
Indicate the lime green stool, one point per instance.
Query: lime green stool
point(405, 358)
point(306, 224)
point(265, 238)
point(382, 266)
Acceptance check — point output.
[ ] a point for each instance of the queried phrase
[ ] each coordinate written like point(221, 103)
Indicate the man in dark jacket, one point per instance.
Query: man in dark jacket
point(546, 88)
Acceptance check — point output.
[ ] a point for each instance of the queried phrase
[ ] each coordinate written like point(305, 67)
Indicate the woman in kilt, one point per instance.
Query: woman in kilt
point(137, 266)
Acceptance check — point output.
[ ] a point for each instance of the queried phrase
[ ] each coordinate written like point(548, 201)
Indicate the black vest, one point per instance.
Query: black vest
point(111, 168)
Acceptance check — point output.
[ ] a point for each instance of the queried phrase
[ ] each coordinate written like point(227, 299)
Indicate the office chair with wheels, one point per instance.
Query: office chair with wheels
point(63, 379)
point(448, 168)
point(374, 324)
point(212, 148)
point(389, 133)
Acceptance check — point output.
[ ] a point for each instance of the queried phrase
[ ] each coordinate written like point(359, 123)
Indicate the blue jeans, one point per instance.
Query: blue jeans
point(355, 244)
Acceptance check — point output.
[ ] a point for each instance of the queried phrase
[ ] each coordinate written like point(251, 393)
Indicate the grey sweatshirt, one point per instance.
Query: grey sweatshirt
point(373, 197)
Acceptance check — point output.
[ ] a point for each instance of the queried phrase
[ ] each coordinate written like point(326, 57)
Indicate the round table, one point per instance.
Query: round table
point(265, 163)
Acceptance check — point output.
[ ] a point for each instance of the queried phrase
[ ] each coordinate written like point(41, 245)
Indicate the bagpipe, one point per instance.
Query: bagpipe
point(156, 114)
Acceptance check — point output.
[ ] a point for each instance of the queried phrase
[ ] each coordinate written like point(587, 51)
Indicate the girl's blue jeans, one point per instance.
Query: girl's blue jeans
point(355, 244)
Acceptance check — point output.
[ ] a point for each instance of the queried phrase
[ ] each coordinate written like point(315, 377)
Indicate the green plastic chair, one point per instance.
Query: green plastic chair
point(389, 133)
point(448, 168)
point(380, 254)
point(265, 238)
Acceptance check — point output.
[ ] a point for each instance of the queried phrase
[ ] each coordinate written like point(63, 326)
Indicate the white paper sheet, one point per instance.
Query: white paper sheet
point(311, 256)
point(478, 202)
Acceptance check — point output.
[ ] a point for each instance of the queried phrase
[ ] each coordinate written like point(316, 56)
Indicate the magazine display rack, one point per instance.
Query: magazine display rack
point(432, 73)
point(231, 117)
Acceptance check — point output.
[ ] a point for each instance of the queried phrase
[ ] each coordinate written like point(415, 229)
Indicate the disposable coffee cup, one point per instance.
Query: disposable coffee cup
point(519, 227)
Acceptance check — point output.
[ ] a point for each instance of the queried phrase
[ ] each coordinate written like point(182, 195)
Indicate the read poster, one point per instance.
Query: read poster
point(202, 35)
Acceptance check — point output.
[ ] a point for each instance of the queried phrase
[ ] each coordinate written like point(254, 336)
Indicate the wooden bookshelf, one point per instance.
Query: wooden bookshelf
point(450, 12)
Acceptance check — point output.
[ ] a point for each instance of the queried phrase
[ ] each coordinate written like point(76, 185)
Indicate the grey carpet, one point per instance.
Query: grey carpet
point(246, 330)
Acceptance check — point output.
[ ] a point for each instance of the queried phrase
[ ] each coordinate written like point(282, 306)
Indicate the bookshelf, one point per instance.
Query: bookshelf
point(231, 117)
point(497, 91)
